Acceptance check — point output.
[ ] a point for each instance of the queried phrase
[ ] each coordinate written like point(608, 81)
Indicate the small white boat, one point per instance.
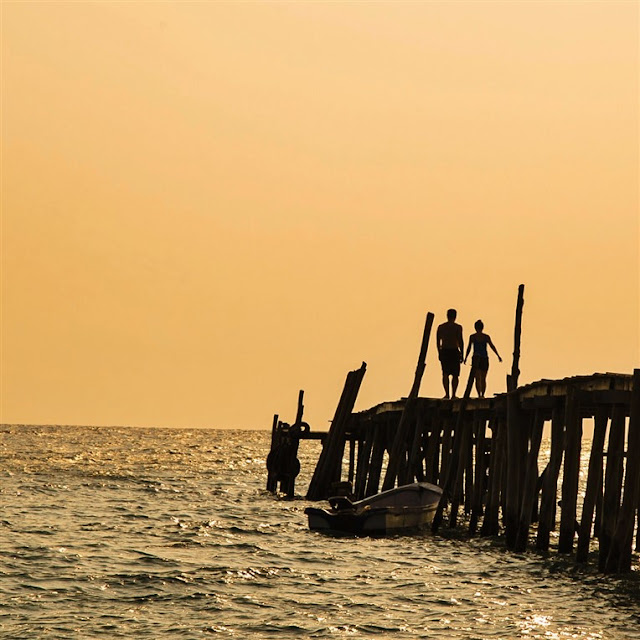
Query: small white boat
point(404, 509)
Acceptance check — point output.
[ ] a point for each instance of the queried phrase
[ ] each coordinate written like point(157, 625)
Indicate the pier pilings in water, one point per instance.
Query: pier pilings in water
point(496, 477)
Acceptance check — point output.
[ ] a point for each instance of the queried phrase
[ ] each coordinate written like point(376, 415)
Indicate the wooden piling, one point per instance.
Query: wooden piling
point(546, 520)
point(571, 471)
point(377, 458)
point(491, 521)
point(612, 484)
point(594, 482)
point(515, 437)
point(479, 474)
point(530, 482)
point(454, 461)
point(619, 559)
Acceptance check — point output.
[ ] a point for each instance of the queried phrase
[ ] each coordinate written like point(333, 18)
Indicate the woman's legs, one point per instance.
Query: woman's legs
point(481, 382)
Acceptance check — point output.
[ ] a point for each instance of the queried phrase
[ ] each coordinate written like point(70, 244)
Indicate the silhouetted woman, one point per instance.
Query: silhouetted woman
point(480, 359)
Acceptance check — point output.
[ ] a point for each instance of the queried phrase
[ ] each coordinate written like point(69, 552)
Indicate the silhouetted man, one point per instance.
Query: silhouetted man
point(450, 350)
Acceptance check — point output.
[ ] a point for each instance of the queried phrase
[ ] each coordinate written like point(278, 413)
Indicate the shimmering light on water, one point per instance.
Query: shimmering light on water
point(167, 533)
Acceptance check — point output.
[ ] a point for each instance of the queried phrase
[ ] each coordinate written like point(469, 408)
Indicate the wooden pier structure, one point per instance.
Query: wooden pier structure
point(485, 453)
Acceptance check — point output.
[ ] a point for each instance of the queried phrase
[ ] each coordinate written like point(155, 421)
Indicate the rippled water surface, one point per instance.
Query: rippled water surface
point(158, 533)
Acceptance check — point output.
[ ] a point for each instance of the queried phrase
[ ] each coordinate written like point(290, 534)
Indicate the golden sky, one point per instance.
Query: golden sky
point(207, 206)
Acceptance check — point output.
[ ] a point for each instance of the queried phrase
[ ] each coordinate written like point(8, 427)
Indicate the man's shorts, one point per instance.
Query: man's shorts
point(480, 362)
point(450, 360)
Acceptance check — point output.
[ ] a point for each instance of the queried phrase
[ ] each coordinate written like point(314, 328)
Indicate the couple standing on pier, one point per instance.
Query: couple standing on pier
point(451, 348)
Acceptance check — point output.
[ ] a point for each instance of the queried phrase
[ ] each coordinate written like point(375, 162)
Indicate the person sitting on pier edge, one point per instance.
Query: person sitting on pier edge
point(480, 359)
point(450, 350)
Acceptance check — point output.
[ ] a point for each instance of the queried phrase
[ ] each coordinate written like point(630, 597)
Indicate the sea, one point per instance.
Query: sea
point(170, 533)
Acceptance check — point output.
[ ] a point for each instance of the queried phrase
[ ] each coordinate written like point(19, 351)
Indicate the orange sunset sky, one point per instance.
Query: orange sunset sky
point(207, 206)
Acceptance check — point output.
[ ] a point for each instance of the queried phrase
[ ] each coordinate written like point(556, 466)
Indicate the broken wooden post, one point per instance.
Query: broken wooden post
point(515, 370)
point(330, 461)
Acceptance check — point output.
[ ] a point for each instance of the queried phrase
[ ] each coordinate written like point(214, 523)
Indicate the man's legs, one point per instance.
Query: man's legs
point(454, 385)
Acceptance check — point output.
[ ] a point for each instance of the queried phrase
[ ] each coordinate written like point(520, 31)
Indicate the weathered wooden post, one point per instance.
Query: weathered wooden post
point(450, 472)
point(364, 463)
point(515, 366)
point(415, 467)
point(377, 458)
point(491, 521)
point(479, 474)
point(547, 518)
point(272, 476)
point(328, 466)
point(530, 482)
point(515, 441)
point(612, 484)
point(432, 453)
point(398, 454)
point(571, 472)
point(619, 559)
point(515, 438)
point(594, 481)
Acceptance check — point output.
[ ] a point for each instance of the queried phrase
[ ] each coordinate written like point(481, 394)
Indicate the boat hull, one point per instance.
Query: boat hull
point(402, 510)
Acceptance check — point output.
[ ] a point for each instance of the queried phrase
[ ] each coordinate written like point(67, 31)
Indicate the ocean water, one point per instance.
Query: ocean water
point(160, 533)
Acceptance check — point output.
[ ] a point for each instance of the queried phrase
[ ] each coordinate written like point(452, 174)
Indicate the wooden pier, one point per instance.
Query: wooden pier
point(485, 453)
